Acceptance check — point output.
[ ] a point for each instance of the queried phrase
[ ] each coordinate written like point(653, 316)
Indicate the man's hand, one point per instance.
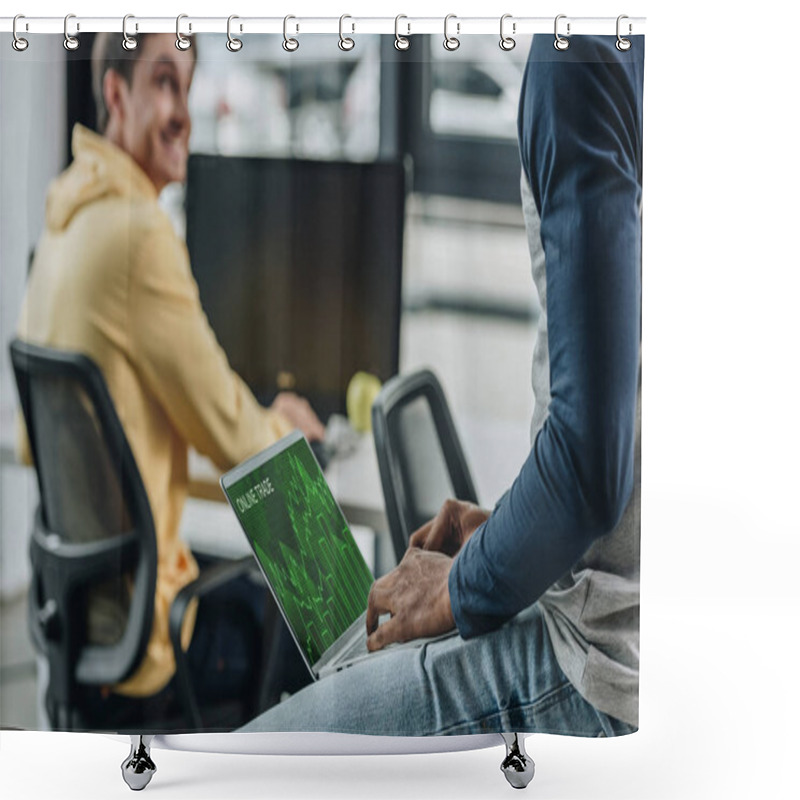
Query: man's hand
point(300, 414)
point(415, 593)
point(450, 529)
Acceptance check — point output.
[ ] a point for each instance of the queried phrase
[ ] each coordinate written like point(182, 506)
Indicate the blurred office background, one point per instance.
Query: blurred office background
point(467, 307)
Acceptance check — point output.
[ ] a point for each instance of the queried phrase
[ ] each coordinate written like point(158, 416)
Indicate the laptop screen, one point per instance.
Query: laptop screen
point(306, 550)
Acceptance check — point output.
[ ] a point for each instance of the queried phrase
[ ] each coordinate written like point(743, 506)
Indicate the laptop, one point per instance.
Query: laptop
point(306, 553)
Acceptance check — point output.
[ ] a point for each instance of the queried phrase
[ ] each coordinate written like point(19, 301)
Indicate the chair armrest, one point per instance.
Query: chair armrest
point(209, 579)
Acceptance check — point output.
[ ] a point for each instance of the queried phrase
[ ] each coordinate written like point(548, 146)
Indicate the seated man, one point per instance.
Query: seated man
point(544, 590)
point(111, 279)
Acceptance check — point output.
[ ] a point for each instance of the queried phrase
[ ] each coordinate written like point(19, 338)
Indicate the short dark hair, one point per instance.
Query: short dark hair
point(108, 53)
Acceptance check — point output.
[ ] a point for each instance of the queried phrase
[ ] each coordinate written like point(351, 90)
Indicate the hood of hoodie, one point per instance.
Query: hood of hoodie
point(99, 169)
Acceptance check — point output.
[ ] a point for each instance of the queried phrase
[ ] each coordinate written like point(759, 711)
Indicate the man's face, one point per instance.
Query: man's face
point(154, 113)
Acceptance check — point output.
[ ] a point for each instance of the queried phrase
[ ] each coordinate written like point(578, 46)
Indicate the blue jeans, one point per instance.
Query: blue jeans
point(507, 680)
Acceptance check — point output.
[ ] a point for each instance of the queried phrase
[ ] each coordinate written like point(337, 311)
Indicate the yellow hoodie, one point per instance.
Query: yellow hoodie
point(112, 280)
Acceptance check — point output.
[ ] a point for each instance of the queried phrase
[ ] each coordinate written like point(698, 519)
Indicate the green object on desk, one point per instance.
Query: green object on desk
point(361, 393)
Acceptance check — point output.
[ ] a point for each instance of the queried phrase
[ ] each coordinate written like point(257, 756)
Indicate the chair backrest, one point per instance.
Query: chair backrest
point(420, 457)
point(93, 544)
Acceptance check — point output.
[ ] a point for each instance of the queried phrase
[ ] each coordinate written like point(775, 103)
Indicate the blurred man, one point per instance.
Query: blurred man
point(112, 280)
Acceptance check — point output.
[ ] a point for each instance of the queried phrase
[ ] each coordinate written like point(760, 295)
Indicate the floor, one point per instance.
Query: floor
point(17, 667)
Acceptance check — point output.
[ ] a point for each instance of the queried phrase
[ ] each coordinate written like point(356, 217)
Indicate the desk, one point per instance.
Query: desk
point(211, 528)
point(354, 480)
point(209, 525)
point(495, 450)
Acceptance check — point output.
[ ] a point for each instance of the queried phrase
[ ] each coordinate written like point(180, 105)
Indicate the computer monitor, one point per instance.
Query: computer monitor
point(299, 268)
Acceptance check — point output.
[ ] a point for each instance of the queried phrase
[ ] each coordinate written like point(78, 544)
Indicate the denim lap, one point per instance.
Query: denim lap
point(506, 680)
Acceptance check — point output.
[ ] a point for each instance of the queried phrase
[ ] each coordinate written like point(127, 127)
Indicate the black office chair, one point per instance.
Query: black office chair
point(420, 457)
point(93, 546)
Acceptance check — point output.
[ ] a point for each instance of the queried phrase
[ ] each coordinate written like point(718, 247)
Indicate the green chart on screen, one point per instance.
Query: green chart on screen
point(304, 545)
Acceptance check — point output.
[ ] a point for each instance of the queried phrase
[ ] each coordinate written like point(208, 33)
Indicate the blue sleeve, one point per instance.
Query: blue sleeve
point(580, 126)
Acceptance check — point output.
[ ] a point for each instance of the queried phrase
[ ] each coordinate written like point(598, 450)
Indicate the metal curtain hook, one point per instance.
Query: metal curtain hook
point(345, 42)
point(129, 42)
point(71, 43)
point(506, 42)
point(233, 44)
point(561, 43)
point(18, 43)
point(623, 44)
point(289, 45)
point(401, 42)
point(451, 43)
point(181, 41)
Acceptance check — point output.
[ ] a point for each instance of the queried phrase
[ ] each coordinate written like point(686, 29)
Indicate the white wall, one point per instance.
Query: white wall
point(32, 153)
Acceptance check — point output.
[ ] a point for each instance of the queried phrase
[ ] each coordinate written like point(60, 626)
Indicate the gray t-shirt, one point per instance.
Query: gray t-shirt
point(592, 612)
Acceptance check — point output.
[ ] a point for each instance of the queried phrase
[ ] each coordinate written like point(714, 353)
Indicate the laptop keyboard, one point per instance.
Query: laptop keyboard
point(357, 647)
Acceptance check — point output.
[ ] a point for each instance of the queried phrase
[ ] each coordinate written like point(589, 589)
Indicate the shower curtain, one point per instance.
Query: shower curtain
point(254, 235)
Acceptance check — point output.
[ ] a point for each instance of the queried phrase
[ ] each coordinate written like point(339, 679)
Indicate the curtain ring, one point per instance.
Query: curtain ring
point(71, 43)
point(18, 43)
point(451, 43)
point(129, 42)
point(345, 42)
point(233, 44)
point(182, 42)
point(623, 44)
point(401, 42)
point(289, 45)
point(507, 42)
point(561, 43)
